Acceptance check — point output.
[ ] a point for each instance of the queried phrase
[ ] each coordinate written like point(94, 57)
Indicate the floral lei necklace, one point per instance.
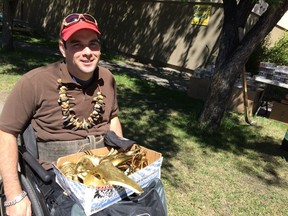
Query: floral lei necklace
point(69, 116)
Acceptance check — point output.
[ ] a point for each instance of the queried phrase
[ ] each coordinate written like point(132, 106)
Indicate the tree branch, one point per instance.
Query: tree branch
point(262, 28)
point(244, 9)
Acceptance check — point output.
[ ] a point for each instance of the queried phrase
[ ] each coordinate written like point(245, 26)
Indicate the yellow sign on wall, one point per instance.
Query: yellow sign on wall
point(201, 14)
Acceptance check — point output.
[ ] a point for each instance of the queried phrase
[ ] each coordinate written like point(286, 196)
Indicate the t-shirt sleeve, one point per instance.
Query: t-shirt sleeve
point(19, 107)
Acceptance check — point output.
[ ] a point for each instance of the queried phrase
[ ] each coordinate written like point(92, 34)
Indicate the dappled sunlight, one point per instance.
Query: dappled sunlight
point(20, 62)
point(166, 121)
point(218, 173)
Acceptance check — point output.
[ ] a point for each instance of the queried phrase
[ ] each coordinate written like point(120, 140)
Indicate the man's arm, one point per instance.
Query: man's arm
point(9, 173)
point(115, 126)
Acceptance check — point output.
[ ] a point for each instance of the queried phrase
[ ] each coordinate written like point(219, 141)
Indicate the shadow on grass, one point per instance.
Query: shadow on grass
point(155, 105)
point(144, 115)
point(150, 113)
point(21, 61)
point(241, 139)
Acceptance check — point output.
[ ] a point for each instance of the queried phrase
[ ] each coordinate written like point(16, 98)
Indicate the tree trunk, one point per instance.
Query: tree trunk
point(233, 54)
point(9, 9)
point(219, 94)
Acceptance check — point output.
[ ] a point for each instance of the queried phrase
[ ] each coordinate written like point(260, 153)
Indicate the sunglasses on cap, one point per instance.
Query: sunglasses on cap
point(75, 17)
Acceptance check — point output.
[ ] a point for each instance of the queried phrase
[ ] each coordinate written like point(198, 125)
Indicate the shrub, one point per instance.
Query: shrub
point(279, 52)
point(263, 52)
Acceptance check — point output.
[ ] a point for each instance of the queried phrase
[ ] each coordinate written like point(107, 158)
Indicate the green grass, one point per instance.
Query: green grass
point(14, 64)
point(239, 170)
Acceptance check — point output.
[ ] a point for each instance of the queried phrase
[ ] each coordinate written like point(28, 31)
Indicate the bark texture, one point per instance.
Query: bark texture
point(9, 9)
point(234, 53)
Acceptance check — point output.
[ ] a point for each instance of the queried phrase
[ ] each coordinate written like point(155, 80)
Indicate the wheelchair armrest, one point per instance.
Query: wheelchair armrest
point(36, 166)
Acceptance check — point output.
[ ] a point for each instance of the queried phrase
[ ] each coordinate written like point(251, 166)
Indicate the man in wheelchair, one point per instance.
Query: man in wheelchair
point(69, 105)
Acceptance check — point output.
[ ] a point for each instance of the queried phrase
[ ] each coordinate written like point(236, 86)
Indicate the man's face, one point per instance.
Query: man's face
point(82, 53)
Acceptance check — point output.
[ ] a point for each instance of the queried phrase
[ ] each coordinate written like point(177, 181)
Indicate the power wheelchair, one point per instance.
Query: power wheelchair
point(34, 178)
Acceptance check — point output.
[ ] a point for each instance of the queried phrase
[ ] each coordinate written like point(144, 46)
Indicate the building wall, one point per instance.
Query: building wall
point(276, 34)
point(153, 30)
point(158, 31)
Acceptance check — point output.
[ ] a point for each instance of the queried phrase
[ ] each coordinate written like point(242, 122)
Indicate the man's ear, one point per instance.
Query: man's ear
point(62, 48)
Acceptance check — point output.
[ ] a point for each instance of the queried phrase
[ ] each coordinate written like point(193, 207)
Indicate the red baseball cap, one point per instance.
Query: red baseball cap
point(78, 22)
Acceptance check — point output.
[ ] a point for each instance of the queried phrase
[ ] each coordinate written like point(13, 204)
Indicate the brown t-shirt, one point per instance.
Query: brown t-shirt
point(35, 99)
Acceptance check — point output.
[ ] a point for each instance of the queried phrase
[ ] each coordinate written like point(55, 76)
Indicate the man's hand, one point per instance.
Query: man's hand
point(23, 208)
point(9, 174)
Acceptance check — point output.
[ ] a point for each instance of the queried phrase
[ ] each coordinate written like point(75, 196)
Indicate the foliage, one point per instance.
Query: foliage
point(257, 56)
point(279, 52)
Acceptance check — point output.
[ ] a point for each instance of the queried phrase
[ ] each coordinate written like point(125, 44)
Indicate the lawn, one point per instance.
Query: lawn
point(239, 170)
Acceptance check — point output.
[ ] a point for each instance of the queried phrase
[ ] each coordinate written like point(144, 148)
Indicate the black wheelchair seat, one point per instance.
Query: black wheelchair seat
point(29, 153)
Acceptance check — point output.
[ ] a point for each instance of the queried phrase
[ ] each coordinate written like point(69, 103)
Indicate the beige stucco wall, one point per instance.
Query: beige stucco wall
point(154, 30)
point(158, 31)
point(276, 34)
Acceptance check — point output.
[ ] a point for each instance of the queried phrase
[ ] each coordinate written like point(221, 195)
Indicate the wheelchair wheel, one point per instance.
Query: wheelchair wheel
point(32, 194)
point(2, 197)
